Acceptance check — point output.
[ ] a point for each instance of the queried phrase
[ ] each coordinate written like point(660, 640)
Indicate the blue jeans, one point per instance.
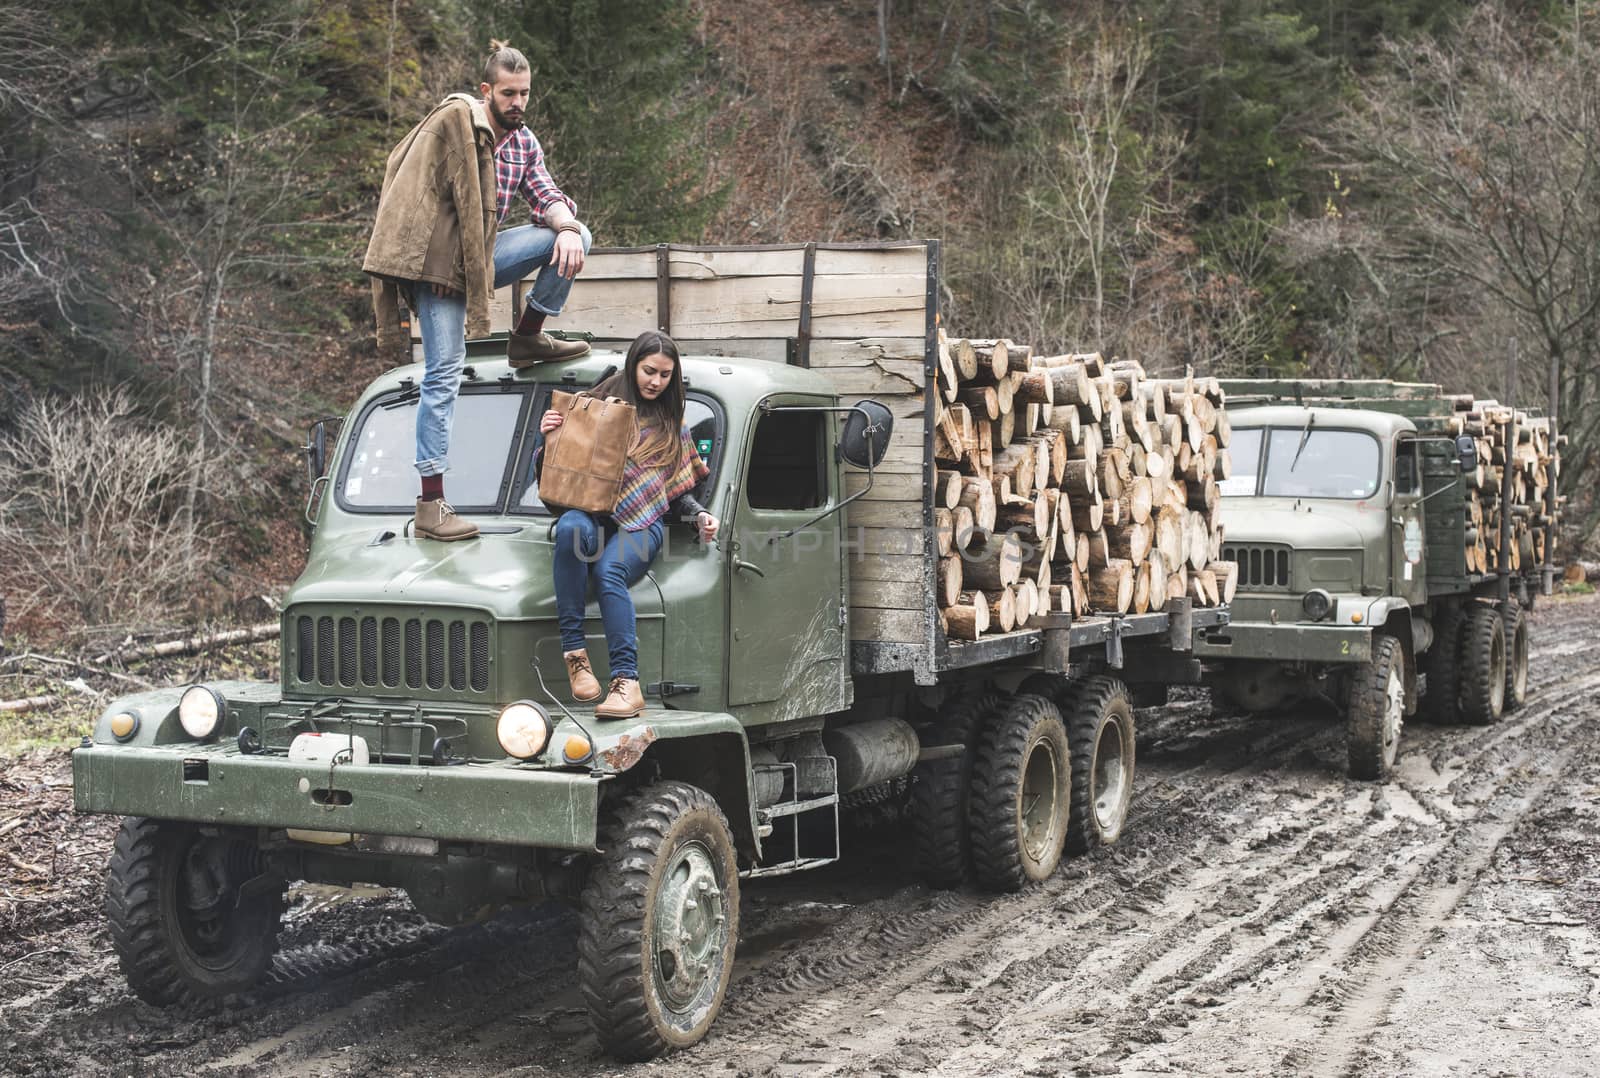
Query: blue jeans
point(442, 324)
point(613, 562)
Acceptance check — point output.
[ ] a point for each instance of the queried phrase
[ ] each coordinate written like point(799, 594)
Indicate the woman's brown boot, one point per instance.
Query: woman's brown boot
point(623, 701)
point(580, 676)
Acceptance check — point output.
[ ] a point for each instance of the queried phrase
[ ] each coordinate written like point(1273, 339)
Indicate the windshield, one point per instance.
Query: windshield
point(697, 413)
point(1244, 448)
point(380, 471)
point(1330, 464)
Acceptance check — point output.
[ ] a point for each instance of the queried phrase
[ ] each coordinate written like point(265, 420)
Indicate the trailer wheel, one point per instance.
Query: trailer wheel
point(1442, 664)
point(1100, 731)
point(939, 796)
point(1377, 711)
point(659, 922)
point(193, 916)
point(1483, 666)
point(1516, 630)
point(1021, 795)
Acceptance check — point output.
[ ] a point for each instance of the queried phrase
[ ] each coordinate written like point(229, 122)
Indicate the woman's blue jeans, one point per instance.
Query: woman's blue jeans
point(442, 324)
point(612, 560)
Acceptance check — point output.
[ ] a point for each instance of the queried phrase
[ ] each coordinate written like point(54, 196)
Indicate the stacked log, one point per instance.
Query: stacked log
point(1508, 440)
point(1070, 485)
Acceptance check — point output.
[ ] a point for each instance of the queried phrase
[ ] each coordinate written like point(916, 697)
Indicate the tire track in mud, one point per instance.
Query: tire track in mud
point(1189, 958)
point(968, 939)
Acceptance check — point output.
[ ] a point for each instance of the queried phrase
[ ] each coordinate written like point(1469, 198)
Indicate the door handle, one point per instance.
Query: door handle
point(739, 565)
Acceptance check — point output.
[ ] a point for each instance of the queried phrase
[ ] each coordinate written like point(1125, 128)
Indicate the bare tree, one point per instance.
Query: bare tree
point(91, 502)
point(1082, 164)
point(1487, 151)
point(235, 214)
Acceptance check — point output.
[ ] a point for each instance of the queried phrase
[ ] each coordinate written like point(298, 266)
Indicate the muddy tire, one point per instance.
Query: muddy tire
point(1377, 711)
point(1100, 734)
point(1483, 666)
point(1516, 630)
point(1021, 795)
point(1441, 664)
point(193, 917)
point(659, 921)
point(940, 793)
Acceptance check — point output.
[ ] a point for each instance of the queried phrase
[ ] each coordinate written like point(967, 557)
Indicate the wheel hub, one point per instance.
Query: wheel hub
point(1394, 711)
point(690, 925)
point(1040, 813)
point(1110, 777)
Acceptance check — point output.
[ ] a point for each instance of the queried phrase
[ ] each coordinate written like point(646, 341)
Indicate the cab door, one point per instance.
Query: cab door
point(786, 588)
point(1408, 571)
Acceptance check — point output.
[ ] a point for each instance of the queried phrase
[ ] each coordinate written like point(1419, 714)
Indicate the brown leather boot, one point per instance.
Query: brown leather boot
point(623, 701)
point(580, 676)
point(436, 520)
point(526, 349)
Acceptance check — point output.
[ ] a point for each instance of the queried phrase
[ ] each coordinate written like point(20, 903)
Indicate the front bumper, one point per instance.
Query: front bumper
point(496, 803)
point(1310, 643)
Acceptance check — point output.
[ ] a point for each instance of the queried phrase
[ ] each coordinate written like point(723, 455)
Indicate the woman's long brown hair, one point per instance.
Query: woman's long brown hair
point(665, 413)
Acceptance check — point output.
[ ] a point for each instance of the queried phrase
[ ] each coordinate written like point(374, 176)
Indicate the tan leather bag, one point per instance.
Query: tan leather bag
point(583, 457)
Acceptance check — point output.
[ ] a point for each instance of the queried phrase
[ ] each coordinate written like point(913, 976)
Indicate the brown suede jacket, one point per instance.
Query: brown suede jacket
point(436, 217)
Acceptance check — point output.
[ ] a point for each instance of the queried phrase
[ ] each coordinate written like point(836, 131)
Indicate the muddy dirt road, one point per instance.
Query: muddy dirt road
point(1262, 915)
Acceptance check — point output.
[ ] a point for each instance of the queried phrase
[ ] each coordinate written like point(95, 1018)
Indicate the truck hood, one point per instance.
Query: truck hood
point(508, 575)
point(1304, 524)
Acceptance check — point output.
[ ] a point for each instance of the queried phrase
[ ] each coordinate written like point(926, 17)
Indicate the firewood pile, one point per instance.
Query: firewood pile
point(1069, 485)
point(1506, 437)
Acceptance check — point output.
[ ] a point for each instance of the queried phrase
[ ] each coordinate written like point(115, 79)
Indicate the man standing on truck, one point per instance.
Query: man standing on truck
point(447, 186)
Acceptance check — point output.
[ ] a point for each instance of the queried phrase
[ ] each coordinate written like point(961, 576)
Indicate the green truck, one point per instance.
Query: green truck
point(1354, 517)
point(420, 734)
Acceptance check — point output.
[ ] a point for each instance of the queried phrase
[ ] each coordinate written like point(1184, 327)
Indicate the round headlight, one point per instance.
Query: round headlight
point(524, 729)
point(1316, 604)
point(123, 725)
point(200, 711)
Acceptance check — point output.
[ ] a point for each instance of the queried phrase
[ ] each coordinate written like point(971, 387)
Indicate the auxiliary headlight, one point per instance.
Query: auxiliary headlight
point(1316, 604)
point(524, 729)
point(200, 710)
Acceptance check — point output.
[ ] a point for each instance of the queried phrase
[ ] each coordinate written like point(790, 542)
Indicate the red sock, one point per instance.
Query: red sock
point(432, 488)
point(532, 322)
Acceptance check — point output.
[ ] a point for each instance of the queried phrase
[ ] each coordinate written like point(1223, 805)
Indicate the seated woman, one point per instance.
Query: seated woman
point(614, 551)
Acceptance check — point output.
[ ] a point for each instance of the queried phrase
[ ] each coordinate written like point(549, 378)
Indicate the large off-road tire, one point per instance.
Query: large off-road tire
point(659, 921)
point(1377, 711)
point(1516, 630)
point(940, 793)
point(1441, 664)
point(1100, 734)
point(1021, 795)
point(193, 916)
point(1483, 665)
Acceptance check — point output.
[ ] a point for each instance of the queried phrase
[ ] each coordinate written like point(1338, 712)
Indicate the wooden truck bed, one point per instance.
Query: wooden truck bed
point(867, 314)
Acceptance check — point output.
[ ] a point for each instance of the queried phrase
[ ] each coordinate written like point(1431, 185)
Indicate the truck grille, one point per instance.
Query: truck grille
point(439, 654)
point(1260, 566)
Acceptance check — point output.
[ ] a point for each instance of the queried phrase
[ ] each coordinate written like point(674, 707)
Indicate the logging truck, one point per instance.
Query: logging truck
point(843, 641)
point(1389, 539)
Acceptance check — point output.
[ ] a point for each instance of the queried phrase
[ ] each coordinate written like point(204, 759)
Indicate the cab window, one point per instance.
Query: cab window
point(1405, 468)
point(787, 461)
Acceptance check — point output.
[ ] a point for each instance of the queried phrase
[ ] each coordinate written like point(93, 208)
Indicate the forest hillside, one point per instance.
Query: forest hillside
point(1404, 189)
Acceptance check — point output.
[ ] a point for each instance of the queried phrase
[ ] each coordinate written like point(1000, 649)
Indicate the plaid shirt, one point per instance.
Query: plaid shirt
point(519, 169)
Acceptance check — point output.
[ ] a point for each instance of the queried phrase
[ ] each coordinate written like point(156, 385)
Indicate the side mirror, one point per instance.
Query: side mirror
point(865, 438)
point(316, 449)
point(1467, 452)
